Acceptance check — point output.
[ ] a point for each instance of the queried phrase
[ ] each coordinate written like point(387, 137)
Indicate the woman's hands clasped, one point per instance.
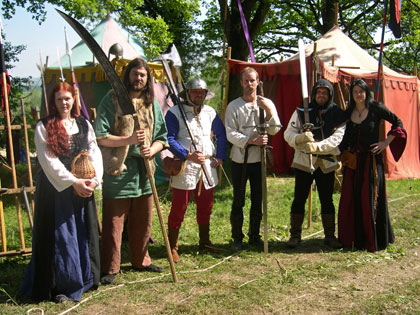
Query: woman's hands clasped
point(84, 187)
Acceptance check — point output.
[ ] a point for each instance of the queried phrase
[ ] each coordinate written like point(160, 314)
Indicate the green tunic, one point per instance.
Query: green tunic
point(133, 181)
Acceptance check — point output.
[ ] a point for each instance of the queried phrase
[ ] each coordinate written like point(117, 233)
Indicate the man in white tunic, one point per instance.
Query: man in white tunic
point(242, 117)
point(203, 122)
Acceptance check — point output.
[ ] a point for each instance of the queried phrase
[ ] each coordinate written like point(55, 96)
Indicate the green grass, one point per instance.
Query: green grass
point(309, 279)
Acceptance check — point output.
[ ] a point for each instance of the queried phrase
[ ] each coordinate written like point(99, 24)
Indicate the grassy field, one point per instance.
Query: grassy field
point(311, 279)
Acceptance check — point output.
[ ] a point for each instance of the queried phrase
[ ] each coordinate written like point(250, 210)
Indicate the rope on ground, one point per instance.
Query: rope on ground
point(34, 310)
point(389, 201)
point(143, 280)
point(313, 234)
point(247, 282)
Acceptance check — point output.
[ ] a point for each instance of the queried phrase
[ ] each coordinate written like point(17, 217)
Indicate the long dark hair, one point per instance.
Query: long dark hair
point(368, 101)
point(57, 137)
point(148, 93)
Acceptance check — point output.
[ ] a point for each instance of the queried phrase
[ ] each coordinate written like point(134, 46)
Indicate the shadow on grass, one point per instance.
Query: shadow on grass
point(305, 247)
point(11, 277)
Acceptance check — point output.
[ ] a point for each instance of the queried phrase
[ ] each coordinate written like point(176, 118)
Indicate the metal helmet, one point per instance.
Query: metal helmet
point(197, 83)
point(116, 50)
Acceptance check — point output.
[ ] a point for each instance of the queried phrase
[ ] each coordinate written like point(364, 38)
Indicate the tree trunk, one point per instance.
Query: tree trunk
point(255, 13)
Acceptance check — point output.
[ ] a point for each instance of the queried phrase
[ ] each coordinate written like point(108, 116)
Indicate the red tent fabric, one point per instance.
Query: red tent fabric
point(400, 93)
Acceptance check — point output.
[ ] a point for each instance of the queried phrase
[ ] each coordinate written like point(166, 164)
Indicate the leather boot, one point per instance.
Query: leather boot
point(173, 242)
point(328, 222)
point(205, 244)
point(296, 221)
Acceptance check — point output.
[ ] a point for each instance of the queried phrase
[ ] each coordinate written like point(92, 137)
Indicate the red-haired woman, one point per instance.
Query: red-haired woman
point(65, 245)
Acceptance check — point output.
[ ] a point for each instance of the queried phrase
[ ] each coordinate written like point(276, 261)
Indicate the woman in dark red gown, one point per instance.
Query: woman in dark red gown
point(363, 218)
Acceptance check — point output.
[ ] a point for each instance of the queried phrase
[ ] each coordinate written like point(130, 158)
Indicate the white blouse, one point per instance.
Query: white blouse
point(54, 169)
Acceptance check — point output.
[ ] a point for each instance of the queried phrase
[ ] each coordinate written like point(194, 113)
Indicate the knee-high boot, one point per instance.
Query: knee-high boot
point(204, 233)
point(296, 221)
point(328, 222)
point(173, 242)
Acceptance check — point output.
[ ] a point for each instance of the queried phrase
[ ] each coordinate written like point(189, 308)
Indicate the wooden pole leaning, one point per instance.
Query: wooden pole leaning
point(12, 159)
point(28, 157)
point(2, 225)
point(158, 209)
point(223, 107)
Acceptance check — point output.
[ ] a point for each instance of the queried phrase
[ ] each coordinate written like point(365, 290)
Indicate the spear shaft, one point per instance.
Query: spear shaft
point(73, 76)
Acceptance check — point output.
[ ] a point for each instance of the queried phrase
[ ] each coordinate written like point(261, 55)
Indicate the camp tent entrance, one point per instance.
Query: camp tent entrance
point(400, 93)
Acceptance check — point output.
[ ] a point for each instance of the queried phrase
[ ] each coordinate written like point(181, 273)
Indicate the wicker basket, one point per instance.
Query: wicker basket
point(81, 167)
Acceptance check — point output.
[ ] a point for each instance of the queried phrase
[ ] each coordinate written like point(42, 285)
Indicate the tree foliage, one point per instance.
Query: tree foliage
point(157, 22)
point(404, 54)
point(276, 33)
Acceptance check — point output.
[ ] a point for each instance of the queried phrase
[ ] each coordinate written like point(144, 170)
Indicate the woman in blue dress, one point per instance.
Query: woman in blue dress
point(65, 241)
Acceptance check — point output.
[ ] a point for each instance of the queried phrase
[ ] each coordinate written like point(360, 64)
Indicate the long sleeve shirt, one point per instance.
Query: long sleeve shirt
point(54, 169)
point(241, 123)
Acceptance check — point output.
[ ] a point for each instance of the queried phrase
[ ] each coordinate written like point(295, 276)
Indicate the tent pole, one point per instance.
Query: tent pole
point(219, 173)
point(226, 84)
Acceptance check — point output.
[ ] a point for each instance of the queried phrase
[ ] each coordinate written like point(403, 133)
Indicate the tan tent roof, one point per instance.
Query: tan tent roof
point(347, 54)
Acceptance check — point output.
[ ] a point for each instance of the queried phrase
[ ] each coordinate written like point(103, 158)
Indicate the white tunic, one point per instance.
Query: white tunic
point(200, 127)
point(54, 169)
point(328, 146)
point(241, 120)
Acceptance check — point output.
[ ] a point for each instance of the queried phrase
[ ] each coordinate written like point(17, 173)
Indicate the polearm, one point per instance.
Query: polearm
point(62, 79)
point(262, 130)
point(307, 126)
point(73, 76)
point(176, 101)
point(381, 50)
point(28, 158)
point(126, 105)
point(44, 90)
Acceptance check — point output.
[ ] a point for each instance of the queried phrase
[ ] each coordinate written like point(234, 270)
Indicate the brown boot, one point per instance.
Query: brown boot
point(328, 222)
point(205, 244)
point(173, 242)
point(296, 221)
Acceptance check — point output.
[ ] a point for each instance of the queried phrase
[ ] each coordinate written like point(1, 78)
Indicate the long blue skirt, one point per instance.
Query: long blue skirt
point(65, 244)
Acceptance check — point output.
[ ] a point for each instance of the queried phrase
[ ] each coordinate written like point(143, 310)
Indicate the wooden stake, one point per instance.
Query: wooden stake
point(12, 159)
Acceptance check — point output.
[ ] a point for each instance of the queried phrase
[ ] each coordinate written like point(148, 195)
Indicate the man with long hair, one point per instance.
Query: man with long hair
point(126, 190)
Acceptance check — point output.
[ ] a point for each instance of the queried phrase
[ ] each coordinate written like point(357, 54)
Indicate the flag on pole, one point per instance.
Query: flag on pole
point(395, 17)
point(3, 72)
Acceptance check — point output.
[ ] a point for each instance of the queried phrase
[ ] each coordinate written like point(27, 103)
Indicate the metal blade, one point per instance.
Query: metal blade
point(302, 63)
point(304, 84)
point(121, 92)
